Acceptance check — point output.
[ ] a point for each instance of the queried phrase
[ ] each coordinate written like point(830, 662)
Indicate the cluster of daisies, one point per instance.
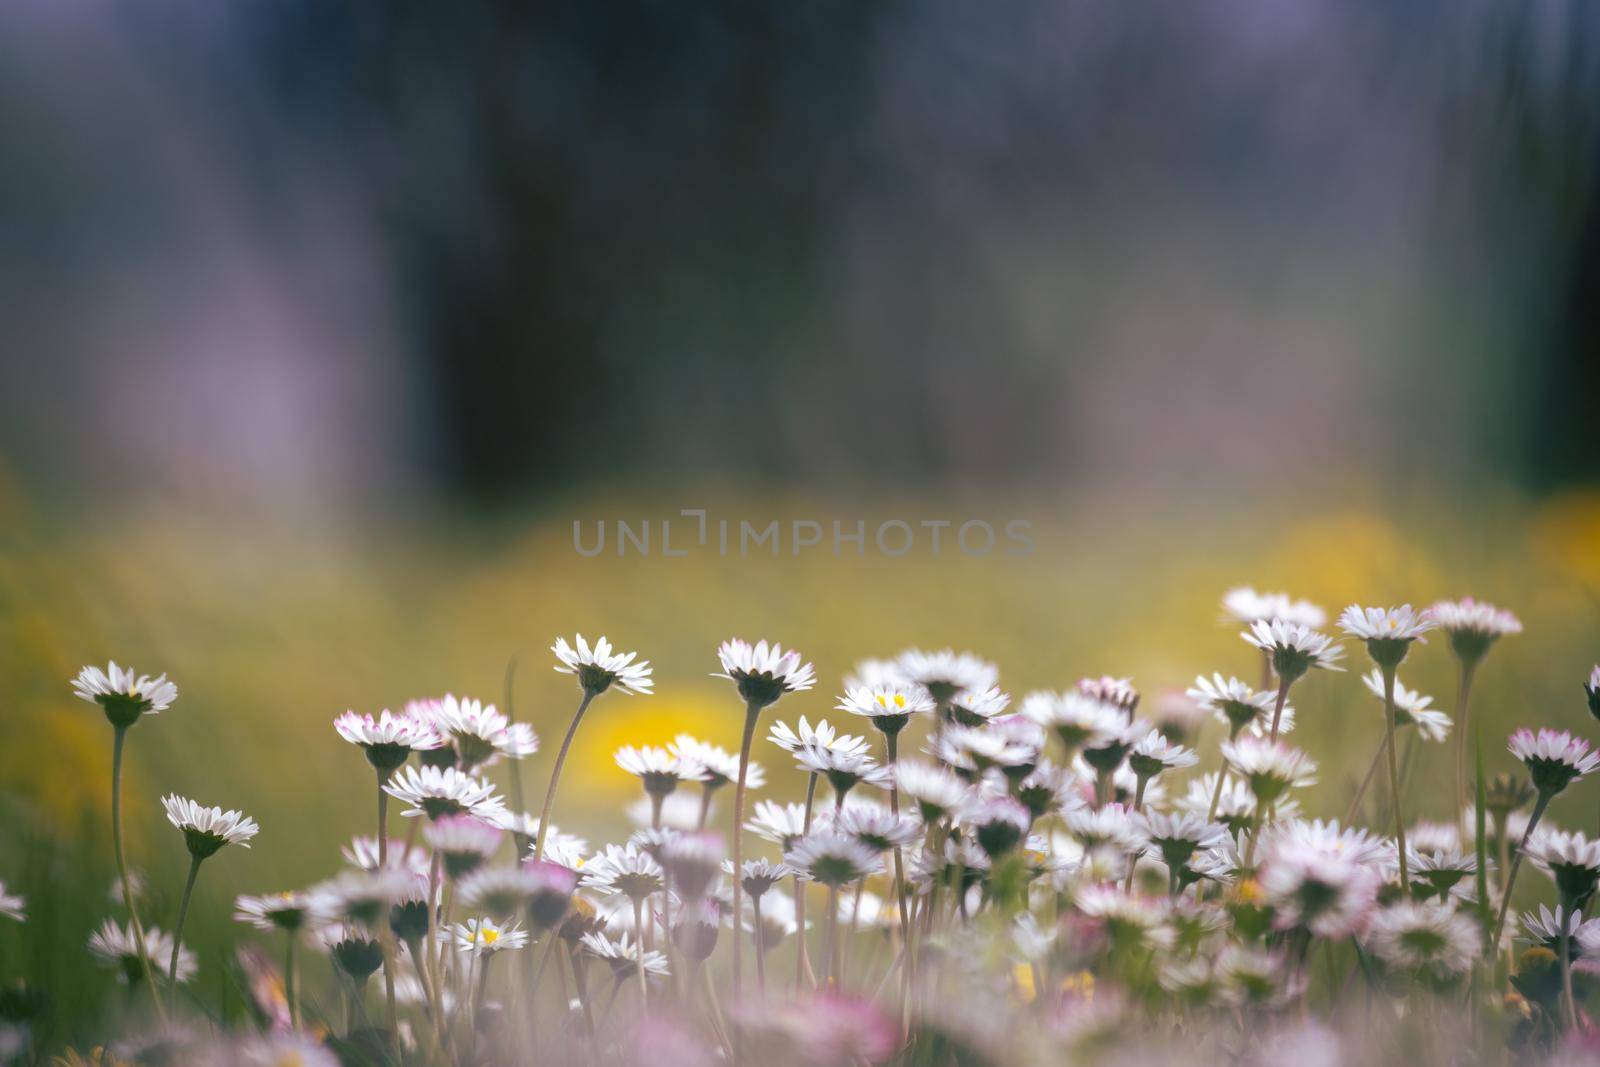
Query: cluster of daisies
point(963, 872)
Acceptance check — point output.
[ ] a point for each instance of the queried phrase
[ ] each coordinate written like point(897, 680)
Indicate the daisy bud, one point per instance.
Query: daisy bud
point(695, 931)
point(356, 952)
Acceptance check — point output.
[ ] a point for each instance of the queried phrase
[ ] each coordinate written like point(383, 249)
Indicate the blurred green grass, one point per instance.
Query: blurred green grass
point(270, 631)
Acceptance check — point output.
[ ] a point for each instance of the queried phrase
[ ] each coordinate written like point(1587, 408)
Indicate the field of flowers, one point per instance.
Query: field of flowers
point(1154, 811)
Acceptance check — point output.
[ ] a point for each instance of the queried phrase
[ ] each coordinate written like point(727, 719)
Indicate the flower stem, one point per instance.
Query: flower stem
point(1462, 697)
point(800, 961)
point(1394, 781)
point(761, 954)
point(389, 952)
point(1372, 769)
point(290, 979)
point(120, 737)
point(1277, 709)
point(834, 969)
point(638, 926)
point(183, 913)
point(1516, 864)
point(555, 774)
point(752, 712)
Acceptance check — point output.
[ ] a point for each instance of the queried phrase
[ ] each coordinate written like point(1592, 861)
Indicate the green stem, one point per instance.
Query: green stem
point(752, 712)
point(555, 775)
point(638, 926)
point(383, 865)
point(1516, 865)
point(761, 952)
point(290, 982)
point(1372, 770)
point(1463, 694)
point(183, 914)
point(800, 962)
point(1394, 781)
point(120, 737)
point(1277, 710)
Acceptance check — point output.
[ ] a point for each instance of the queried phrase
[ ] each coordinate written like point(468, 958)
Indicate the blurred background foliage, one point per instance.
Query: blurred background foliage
point(320, 323)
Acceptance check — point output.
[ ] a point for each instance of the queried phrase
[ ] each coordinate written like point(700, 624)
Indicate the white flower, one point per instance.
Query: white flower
point(363, 897)
point(387, 730)
point(115, 947)
point(974, 707)
point(831, 858)
point(208, 829)
point(935, 790)
point(1431, 937)
point(1294, 649)
point(1571, 859)
point(482, 734)
point(1245, 605)
point(1178, 836)
point(1073, 717)
point(1555, 759)
point(871, 672)
point(763, 672)
point(525, 825)
point(623, 955)
point(1235, 704)
point(874, 825)
point(11, 905)
point(1268, 767)
point(945, 673)
point(1411, 707)
point(758, 876)
point(717, 766)
point(1392, 628)
point(362, 852)
point(1473, 626)
point(1153, 754)
point(464, 842)
point(123, 694)
point(821, 736)
point(889, 707)
point(438, 792)
point(484, 937)
point(780, 823)
point(658, 769)
point(598, 668)
point(1327, 891)
point(1118, 692)
point(278, 911)
point(1135, 921)
point(1111, 825)
point(976, 749)
point(624, 869)
point(1545, 928)
point(843, 771)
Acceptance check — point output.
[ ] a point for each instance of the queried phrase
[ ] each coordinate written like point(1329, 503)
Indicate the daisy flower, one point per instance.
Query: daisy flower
point(871, 672)
point(1411, 708)
point(1243, 604)
point(1294, 649)
point(356, 951)
point(1153, 754)
point(844, 772)
point(525, 828)
point(1133, 922)
point(1269, 768)
point(1388, 632)
point(1430, 937)
point(945, 673)
point(718, 767)
point(1107, 748)
point(624, 869)
point(484, 937)
point(890, 707)
point(1440, 871)
point(976, 750)
point(363, 897)
point(289, 911)
point(122, 694)
point(439, 793)
point(1326, 892)
point(1571, 860)
point(1111, 825)
point(481, 734)
point(998, 823)
point(362, 852)
point(1178, 836)
point(783, 824)
point(935, 791)
point(1178, 715)
point(975, 707)
point(1048, 788)
point(116, 947)
point(692, 862)
point(206, 830)
point(1118, 692)
point(622, 955)
point(1546, 927)
point(759, 876)
point(541, 889)
point(1473, 626)
point(1256, 977)
point(831, 858)
point(874, 826)
point(387, 740)
point(463, 842)
point(820, 736)
point(1233, 702)
point(1555, 759)
point(1591, 689)
point(657, 769)
point(599, 668)
point(763, 672)
point(1072, 717)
